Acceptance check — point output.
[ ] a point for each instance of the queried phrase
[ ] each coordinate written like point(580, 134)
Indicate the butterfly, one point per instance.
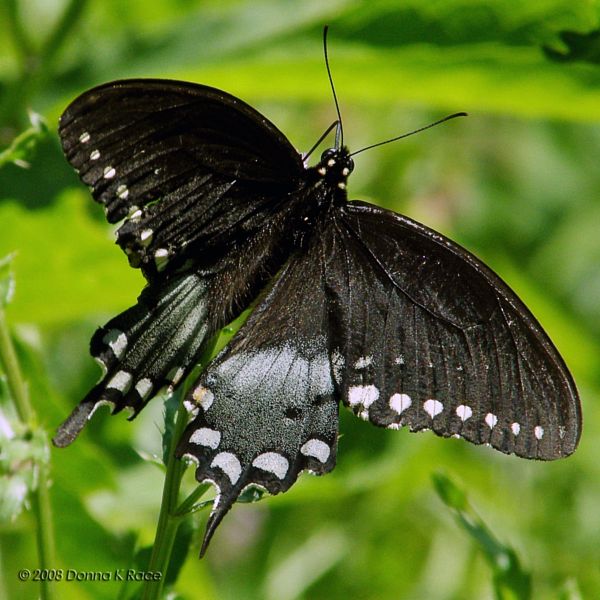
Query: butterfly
point(353, 303)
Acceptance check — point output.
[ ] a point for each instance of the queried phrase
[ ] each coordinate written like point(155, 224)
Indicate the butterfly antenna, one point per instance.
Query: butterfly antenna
point(339, 133)
point(318, 142)
point(404, 135)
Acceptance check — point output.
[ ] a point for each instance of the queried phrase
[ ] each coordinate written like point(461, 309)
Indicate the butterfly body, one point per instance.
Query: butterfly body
point(356, 304)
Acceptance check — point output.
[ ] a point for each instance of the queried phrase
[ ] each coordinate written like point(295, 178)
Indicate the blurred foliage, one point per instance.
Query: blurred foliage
point(516, 182)
point(510, 581)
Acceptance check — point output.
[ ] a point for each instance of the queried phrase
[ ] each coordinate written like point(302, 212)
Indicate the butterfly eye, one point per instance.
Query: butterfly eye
point(349, 166)
point(328, 154)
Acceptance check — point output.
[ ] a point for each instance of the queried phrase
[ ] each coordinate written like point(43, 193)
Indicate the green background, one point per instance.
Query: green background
point(517, 183)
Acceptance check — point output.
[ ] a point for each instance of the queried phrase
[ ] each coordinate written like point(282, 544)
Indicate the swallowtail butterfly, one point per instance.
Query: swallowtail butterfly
point(355, 303)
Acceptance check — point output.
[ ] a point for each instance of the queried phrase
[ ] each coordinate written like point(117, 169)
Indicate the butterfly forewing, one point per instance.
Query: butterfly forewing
point(185, 164)
point(432, 339)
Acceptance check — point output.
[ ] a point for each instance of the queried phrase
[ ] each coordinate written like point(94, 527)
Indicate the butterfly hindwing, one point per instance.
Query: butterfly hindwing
point(149, 346)
point(432, 339)
point(189, 167)
point(266, 408)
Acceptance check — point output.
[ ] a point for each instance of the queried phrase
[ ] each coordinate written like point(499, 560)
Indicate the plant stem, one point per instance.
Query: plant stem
point(188, 504)
point(167, 522)
point(40, 498)
point(16, 384)
point(171, 515)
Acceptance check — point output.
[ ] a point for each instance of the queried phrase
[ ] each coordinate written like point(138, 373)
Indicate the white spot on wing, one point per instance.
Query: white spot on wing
point(317, 449)
point(203, 396)
point(464, 412)
point(190, 407)
point(191, 458)
point(206, 437)
point(491, 420)
point(143, 387)
point(433, 407)
point(399, 360)
point(146, 236)
point(400, 402)
point(229, 464)
point(161, 258)
point(538, 432)
point(515, 428)
point(117, 341)
point(122, 192)
point(337, 364)
point(95, 155)
point(84, 138)
point(175, 375)
point(363, 361)
point(120, 381)
point(109, 172)
point(273, 463)
point(363, 395)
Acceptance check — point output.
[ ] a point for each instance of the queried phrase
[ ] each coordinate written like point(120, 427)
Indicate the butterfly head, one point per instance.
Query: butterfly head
point(335, 166)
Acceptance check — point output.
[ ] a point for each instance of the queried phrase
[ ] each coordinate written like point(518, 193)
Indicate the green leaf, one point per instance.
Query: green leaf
point(23, 146)
point(22, 453)
point(511, 581)
point(64, 262)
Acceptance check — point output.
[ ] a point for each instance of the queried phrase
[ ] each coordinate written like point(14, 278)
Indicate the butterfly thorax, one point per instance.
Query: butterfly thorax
point(335, 166)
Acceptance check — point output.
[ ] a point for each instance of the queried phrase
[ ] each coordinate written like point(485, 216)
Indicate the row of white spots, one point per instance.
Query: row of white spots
point(268, 461)
point(365, 395)
point(109, 171)
point(230, 465)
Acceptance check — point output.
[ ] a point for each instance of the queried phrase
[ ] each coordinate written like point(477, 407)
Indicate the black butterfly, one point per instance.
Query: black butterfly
point(356, 303)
